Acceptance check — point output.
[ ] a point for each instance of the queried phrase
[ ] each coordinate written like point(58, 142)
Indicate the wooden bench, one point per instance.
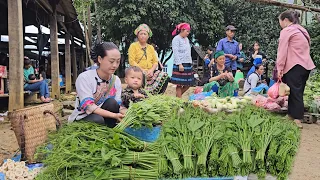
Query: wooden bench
point(28, 95)
point(61, 87)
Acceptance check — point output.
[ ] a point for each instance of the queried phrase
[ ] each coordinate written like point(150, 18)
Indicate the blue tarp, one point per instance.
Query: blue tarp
point(145, 133)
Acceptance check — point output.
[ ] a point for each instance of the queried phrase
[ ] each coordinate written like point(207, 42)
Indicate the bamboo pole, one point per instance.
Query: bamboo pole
point(68, 64)
point(98, 21)
point(293, 6)
point(87, 38)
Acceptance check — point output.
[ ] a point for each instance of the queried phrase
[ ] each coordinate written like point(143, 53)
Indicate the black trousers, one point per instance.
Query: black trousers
point(234, 73)
point(109, 105)
point(296, 79)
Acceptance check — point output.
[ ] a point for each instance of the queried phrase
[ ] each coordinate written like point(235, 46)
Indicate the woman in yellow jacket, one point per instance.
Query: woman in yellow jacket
point(142, 54)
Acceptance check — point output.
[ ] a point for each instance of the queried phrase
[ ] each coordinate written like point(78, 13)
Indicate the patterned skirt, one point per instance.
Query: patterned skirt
point(158, 83)
point(185, 78)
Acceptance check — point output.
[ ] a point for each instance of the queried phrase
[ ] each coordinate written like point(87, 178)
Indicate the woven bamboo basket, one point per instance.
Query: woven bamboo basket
point(31, 126)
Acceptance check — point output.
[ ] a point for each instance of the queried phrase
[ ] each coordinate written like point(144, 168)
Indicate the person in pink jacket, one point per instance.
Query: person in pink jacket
point(294, 62)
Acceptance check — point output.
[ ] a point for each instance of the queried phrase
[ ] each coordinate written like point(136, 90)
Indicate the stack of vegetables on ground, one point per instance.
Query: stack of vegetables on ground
point(196, 144)
point(192, 143)
point(214, 104)
point(149, 112)
point(89, 151)
point(312, 92)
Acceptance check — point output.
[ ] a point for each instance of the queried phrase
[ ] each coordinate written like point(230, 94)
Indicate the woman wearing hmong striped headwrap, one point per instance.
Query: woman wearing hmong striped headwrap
point(182, 74)
point(221, 81)
point(142, 54)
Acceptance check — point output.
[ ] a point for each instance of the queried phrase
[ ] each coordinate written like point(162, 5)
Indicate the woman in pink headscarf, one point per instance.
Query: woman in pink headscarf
point(182, 74)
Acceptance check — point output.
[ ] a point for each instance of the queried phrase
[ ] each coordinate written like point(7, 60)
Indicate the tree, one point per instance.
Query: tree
point(119, 18)
point(254, 22)
point(97, 20)
point(314, 32)
point(83, 10)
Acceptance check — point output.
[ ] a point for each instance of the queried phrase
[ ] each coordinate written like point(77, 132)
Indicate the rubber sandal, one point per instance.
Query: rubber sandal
point(288, 117)
point(298, 123)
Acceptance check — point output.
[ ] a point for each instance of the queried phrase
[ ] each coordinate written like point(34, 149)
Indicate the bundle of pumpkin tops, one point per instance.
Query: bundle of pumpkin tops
point(192, 143)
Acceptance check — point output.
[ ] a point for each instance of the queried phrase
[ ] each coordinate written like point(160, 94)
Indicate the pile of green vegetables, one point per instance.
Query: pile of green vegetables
point(192, 143)
point(89, 151)
point(196, 144)
point(149, 112)
point(312, 91)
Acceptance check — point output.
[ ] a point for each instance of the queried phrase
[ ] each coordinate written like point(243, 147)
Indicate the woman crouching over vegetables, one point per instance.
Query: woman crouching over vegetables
point(254, 79)
point(99, 90)
point(221, 81)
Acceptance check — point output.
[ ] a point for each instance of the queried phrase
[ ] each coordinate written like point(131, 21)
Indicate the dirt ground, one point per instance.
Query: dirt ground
point(306, 166)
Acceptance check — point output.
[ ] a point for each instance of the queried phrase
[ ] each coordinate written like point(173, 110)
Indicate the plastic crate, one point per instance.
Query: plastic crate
point(145, 133)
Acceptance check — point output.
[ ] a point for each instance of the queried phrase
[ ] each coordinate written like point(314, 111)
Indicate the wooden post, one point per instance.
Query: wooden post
point(68, 64)
point(74, 62)
point(15, 30)
point(87, 40)
point(89, 25)
point(81, 62)
point(98, 22)
point(286, 5)
point(54, 54)
point(86, 59)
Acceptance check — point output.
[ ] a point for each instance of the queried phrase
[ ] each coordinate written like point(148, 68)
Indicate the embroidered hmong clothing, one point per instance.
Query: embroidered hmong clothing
point(185, 78)
point(127, 96)
point(92, 92)
point(222, 87)
point(156, 84)
point(223, 91)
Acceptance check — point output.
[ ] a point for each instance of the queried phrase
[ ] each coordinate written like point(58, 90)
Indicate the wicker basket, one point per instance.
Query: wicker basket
point(31, 126)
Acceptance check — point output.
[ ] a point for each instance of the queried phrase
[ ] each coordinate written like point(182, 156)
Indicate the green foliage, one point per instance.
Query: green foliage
point(314, 31)
point(81, 6)
point(255, 22)
point(120, 18)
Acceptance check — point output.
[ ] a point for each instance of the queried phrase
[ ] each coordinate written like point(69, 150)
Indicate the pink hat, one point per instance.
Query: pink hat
point(181, 26)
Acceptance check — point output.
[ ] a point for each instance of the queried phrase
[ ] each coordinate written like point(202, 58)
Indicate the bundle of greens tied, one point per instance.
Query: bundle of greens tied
point(149, 112)
point(84, 150)
point(192, 143)
point(312, 91)
point(197, 144)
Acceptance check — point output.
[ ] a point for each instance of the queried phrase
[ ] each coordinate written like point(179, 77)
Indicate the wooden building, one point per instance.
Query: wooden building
point(60, 17)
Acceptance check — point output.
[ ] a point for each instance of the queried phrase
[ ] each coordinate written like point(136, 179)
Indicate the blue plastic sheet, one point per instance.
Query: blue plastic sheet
point(200, 96)
point(262, 87)
point(145, 133)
